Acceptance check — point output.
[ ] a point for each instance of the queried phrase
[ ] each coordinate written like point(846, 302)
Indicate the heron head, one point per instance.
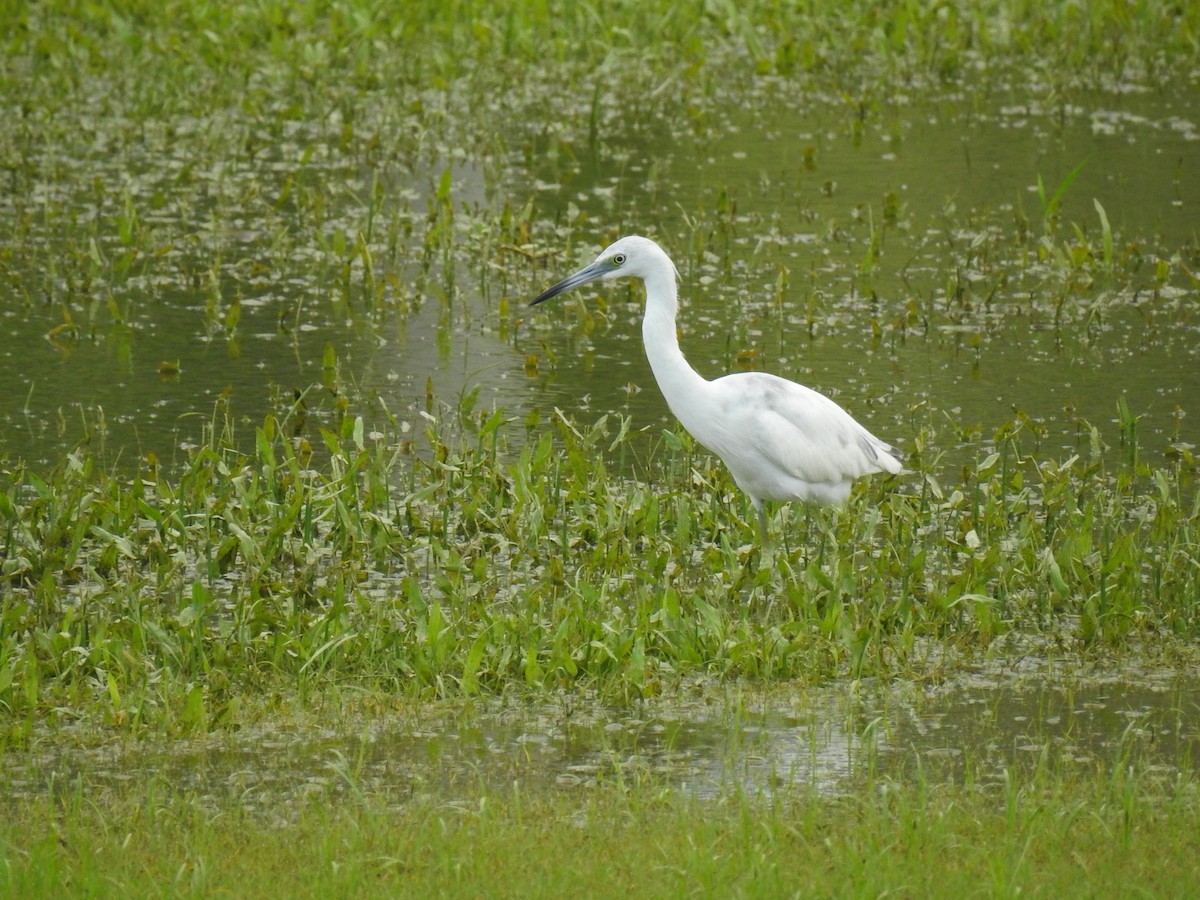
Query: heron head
point(630, 257)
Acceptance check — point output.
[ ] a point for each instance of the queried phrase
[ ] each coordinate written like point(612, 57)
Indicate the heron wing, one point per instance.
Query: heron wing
point(787, 440)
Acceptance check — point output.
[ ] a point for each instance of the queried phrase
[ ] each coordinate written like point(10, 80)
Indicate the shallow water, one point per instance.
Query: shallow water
point(762, 182)
point(710, 739)
point(963, 174)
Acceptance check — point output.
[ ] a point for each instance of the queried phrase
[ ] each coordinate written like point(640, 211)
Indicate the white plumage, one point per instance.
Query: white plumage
point(780, 440)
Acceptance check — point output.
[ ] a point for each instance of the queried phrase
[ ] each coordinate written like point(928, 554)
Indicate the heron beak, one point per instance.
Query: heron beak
point(583, 276)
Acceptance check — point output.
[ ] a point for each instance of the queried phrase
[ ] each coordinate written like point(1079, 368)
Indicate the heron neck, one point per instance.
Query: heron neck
point(676, 378)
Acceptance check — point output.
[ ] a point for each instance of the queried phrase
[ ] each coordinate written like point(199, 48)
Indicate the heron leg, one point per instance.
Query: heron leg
point(764, 537)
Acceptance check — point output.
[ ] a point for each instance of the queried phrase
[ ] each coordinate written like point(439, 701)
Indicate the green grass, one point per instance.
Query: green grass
point(368, 44)
point(1041, 835)
point(500, 559)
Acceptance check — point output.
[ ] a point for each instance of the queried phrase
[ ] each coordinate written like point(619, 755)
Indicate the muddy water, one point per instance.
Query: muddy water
point(708, 740)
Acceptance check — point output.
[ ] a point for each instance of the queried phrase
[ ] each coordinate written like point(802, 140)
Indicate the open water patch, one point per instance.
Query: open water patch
point(708, 739)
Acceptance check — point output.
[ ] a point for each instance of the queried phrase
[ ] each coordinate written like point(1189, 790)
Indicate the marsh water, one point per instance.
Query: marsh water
point(901, 258)
point(977, 728)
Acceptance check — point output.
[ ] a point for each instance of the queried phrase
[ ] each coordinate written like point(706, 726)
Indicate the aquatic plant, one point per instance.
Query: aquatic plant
point(483, 558)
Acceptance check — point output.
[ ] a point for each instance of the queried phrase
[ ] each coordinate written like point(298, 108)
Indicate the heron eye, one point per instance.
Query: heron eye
point(619, 259)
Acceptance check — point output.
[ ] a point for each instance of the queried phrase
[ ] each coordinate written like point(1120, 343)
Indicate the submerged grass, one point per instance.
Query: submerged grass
point(1041, 834)
point(489, 557)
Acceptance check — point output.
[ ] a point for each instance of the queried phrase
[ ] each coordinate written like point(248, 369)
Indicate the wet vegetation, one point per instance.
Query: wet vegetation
point(275, 223)
point(505, 558)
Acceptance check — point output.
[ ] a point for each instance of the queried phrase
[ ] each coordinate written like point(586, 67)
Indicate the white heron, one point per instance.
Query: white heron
point(780, 440)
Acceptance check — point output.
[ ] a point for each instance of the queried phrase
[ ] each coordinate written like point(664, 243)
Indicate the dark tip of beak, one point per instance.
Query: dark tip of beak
point(582, 277)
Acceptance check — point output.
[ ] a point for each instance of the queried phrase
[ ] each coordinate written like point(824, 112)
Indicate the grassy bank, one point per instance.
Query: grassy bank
point(1042, 835)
